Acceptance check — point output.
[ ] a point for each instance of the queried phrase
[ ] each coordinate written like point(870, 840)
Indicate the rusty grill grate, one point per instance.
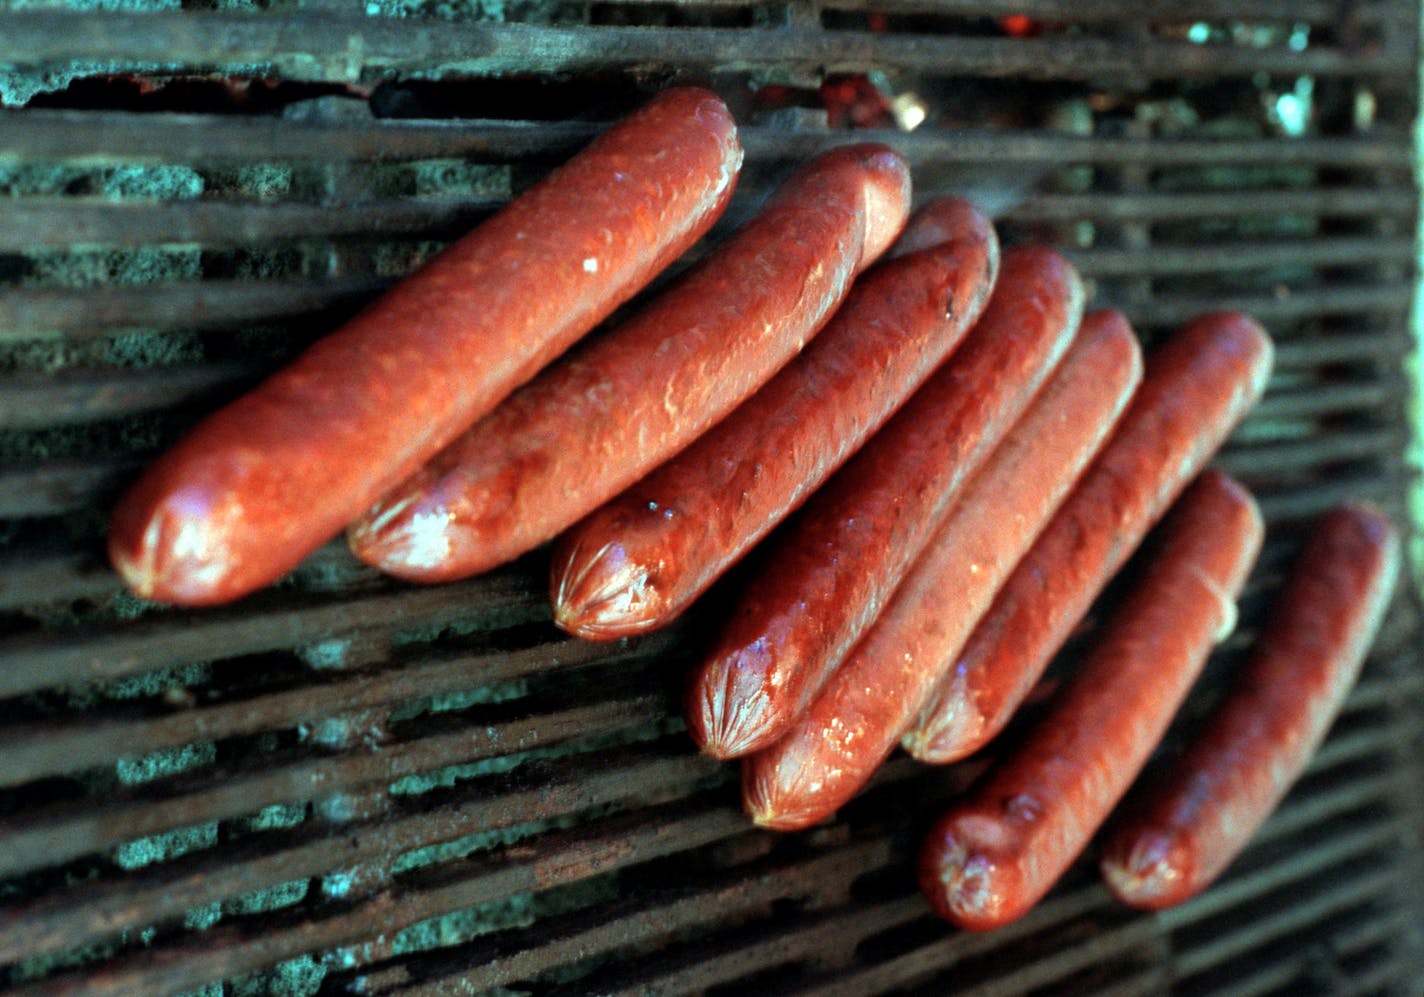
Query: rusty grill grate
point(346, 784)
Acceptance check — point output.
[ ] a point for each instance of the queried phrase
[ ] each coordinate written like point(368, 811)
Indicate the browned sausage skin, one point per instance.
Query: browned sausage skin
point(1198, 385)
point(837, 562)
point(1193, 819)
point(638, 561)
point(833, 749)
point(604, 416)
point(260, 484)
point(1002, 847)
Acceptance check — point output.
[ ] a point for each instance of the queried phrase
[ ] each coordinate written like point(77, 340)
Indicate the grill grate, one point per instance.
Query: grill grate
point(345, 784)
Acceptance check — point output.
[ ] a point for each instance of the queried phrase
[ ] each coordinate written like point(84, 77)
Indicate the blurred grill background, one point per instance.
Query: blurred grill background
point(345, 784)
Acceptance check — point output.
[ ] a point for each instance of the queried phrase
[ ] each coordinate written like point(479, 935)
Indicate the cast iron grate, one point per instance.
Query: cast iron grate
point(344, 784)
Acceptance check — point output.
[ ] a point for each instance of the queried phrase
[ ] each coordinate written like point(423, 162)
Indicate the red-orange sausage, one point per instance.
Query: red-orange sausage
point(834, 748)
point(1193, 819)
point(830, 572)
point(256, 487)
point(1198, 385)
point(638, 561)
point(1001, 848)
point(602, 418)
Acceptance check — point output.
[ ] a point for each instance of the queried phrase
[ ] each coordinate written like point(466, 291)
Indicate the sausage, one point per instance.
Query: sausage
point(833, 749)
point(1003, 845)
point(832, 568)
point(1194, 818)
point(1198, 386)
point(599, 420)
point(257, 486)
point(638, 561)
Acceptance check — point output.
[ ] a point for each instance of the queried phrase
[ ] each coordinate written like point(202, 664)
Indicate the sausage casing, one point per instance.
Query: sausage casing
point(1194, 818)
point(834, 565)
point(639, 560)
point(1197, 386)
point(260, 484)
point(604, 416)
point(834, 748)
point(1001, 847)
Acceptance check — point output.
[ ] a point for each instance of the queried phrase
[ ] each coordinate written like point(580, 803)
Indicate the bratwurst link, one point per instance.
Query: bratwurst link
point(1193, 819)
point(638, 561)
point(839, 559)
point(265, 481)
point(606, 415)
point(1197, 387)
point(1000, 848)
point(834, 748)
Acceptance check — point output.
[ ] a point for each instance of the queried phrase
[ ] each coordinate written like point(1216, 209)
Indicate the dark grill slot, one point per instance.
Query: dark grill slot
point(344, 784)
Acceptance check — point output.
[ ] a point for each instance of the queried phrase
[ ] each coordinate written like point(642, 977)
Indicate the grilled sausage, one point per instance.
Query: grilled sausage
point(837, 562)
point(260, 484)
point(1198, 385)
point(855, 721)
point(1193, 819)
point(638, 561)
point(1000, 848)
point(599, 420)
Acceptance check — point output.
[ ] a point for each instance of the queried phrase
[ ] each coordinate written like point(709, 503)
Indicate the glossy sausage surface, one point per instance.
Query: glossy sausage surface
point(604, 416)
point(260, 484)
point(638, 561)
point(999, 849)
point(1198, 385)
point(1193, 819)
point(830, 570)
point(833, 749)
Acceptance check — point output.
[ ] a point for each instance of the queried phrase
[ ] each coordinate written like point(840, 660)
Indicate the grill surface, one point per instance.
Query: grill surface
point(345, 783)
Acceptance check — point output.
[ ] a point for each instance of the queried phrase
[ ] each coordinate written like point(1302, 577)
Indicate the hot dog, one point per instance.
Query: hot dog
point(260, 484)
point(1000, 848)
point(638, 561)
point(597, 421)
point(834, 566)
point(1198, 385)
point(1193, 819)
point(834, 748)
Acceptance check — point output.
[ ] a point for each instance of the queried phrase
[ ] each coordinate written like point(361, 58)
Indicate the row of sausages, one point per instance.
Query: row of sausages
point(969, 458)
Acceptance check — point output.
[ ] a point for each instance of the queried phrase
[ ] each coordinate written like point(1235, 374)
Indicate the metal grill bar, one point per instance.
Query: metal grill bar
point(1380, 444)
point(37, 223)
point(30, 401)
point(30, 663)
point(641, 921)
point(1325, 12)
point(1183, 206)
point(1285, 974)
point(79, 225)
point(1355, 889)
point(58, 486)
point(1169, 260)
point(78, 136)
point(334, 49)
point(724, 958)
point(28, 312)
